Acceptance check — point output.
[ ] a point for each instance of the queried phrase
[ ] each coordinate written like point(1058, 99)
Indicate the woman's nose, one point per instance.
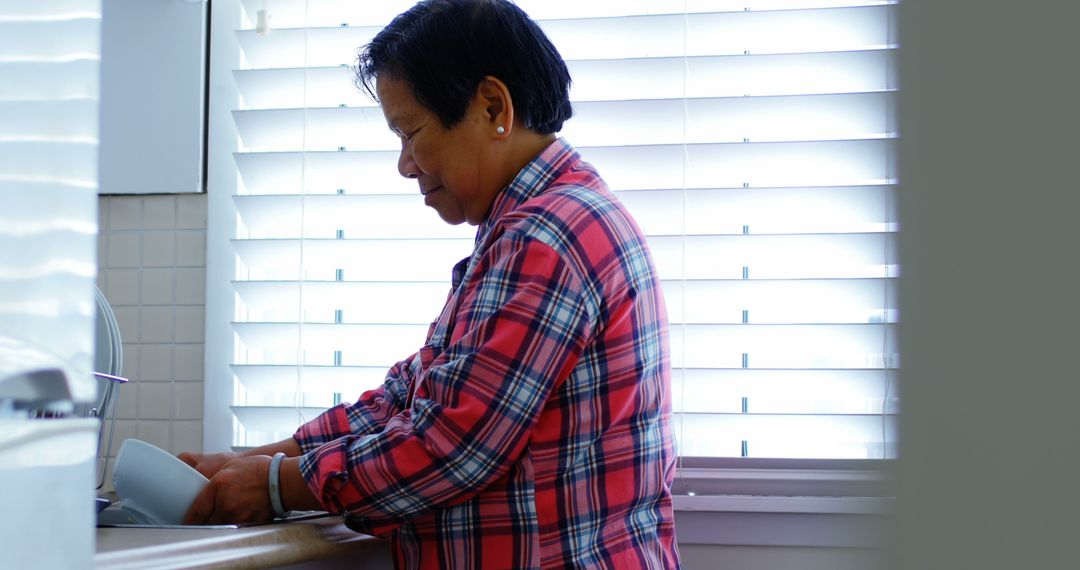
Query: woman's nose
point(406, 165)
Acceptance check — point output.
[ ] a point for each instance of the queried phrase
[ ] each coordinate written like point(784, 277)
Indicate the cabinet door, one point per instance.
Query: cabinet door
point(153, 92)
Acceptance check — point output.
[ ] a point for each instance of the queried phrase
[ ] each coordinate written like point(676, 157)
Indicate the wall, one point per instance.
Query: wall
point(152, 268)
point(990, 293)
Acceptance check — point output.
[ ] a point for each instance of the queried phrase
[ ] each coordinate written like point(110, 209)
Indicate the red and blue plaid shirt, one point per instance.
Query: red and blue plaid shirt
point(532, 430)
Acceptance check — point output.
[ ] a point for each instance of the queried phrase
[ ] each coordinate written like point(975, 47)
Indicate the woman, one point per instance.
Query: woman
point(532, 428)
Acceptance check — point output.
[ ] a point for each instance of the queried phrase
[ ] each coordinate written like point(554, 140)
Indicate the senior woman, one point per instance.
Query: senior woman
point(532, 428)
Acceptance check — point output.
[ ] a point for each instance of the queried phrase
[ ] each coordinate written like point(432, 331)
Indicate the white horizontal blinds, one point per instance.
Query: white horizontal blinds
point(751, 140)
point(340, 267)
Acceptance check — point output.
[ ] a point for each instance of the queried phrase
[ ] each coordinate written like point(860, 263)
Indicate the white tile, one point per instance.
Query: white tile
point(189, 324)
point(159, 212)
point(190, 286)
point(124, 249)
point(188, 362)
point(125, 429)
point(187, 400)
point(126, 399)
point(158, 248)
point(129, 356)
point(155, 362)
point(122, 287)
point(153, 400)
point(156, 324)
point(191, 248)
point(155, 433)
point(128, 320)
point(125, 213)
point(187, 436)
point(191, 211)
point(157, 286)
point(99, 281)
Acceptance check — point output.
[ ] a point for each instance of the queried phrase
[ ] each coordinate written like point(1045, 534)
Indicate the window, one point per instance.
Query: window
point(752, 140)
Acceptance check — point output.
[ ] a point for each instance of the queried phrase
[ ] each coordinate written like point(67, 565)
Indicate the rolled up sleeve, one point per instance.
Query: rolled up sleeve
point(369, 414)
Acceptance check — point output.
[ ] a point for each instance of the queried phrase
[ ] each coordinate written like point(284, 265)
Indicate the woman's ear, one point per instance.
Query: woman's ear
point(498, 108)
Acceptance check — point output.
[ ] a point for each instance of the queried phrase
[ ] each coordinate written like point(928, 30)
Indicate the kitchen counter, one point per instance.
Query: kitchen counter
point(279, 544)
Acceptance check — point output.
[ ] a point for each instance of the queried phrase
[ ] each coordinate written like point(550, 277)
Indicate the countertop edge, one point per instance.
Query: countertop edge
point(242, 548)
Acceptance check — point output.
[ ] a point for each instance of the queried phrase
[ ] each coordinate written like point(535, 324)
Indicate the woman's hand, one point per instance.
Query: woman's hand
point(207, 463)
point(237, 493)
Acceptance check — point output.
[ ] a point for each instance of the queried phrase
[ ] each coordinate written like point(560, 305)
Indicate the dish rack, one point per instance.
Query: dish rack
point(108, 358)
point(109, 361)
point(105, 411)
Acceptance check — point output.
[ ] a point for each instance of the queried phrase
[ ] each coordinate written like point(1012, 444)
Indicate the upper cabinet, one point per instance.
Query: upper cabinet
point(153, 96)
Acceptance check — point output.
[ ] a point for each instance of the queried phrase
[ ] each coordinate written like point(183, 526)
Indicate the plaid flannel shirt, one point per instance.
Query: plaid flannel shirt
point(532, 430)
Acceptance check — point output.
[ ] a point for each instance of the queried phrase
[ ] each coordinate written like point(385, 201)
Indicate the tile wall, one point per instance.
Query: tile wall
point(152, 269)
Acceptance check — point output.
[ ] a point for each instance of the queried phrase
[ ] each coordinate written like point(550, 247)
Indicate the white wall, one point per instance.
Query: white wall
point(990, 293)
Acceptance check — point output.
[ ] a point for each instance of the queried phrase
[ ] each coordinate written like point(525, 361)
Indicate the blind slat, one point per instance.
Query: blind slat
point(847, 437)
point(737, 165)
point(865, 71)
point(359, 345)
point(357, 216)
point(828, 391)
point(350, 302)
point(351, 380)
point(634, 37)
point(328, 13)
point(698, 121)
point(808, 301)
point(855, 346)
point(388, 259)
point(852, 209)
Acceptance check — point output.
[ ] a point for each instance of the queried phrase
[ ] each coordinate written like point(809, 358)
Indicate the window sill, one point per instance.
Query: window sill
point(784, 477)
point(790, 505)
point(784, 503)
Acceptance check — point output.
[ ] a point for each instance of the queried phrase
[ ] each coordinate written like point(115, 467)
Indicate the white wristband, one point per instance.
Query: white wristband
point(275, 487)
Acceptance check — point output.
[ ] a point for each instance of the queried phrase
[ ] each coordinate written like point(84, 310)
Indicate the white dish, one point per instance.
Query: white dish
point(154, 486)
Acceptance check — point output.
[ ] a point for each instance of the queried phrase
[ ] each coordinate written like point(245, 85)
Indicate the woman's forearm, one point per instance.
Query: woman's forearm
point(295, 493)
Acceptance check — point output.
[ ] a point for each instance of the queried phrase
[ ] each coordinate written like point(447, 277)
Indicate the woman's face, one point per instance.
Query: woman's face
point(452, 166)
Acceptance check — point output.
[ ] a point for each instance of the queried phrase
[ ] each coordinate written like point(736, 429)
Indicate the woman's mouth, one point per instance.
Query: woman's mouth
point(428, 194)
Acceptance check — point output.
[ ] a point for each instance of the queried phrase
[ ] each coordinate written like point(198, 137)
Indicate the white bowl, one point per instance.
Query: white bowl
point(154, 487)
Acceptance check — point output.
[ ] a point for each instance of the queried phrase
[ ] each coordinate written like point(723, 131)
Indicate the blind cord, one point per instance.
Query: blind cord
point(297, 394)
point(682, 308)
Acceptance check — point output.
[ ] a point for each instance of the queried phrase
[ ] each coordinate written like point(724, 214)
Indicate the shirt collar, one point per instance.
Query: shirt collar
point(530, 182)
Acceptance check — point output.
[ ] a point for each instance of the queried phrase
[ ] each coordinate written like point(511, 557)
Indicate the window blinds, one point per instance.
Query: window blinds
point(752, 140)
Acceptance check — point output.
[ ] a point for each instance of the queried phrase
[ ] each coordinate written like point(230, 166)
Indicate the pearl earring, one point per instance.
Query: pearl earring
point(500, 130)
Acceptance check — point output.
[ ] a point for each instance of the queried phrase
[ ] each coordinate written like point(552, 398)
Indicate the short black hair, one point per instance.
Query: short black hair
point(444, 49)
